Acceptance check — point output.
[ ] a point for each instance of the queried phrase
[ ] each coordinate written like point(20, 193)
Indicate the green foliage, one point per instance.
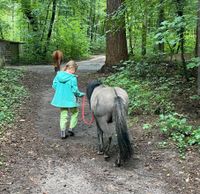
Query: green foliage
point(147, 126)
point(163, 145)
point(29, 22)
point(12, 93)
point(150, 90)
point(71, 38)
point(146, 70)
point(98, 46)
point(195, 97)
point(167, 32)
point(144, 96)
point(175, 126)
point(90, 25)
point(194, 62)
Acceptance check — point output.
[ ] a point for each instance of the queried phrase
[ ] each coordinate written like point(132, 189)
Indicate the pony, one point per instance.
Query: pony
point(57, 59)
point(110, 105)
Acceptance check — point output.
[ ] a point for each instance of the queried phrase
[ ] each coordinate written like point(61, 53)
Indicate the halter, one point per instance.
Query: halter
point(83, 113)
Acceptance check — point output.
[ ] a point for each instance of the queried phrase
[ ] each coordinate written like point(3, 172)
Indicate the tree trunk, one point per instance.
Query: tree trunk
point(116, 45)
point(13, 21)
point(33, 21)
point(27, 10)
point(197, 37)
point(144, 36)
point(50, 26)
point(198, 45)
point(1, 31)
point(130, 35)
point(96, 30)
point(160, 20)
point(93, 19)
point(180, 6)
point(45, 22)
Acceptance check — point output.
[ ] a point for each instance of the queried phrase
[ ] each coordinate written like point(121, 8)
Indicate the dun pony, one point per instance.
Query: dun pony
point(110, 104)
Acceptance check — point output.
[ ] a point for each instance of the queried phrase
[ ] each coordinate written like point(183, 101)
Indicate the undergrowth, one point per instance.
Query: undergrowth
point(145, 97)
point(11, 95)
point(176, 127)
point(151, 89)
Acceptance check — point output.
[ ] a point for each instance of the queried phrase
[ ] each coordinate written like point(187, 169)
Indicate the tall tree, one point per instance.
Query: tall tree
point(50, 26)
point(1, 31)
point(144, 34)
point(160, 20)
point(198, 44)
point(27, 10)
point(92, 19)
point(45, 22)
point(116, 45)
point(130, 34)
point(33, 21)
point(180, 7)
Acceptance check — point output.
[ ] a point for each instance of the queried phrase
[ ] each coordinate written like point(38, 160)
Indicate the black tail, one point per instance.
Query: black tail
point(124, 144)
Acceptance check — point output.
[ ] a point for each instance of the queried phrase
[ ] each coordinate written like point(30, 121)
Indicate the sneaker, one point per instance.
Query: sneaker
point(63, 134)
point(71, 133)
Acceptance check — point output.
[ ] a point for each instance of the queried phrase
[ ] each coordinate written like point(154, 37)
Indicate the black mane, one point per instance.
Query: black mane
point(91, 86)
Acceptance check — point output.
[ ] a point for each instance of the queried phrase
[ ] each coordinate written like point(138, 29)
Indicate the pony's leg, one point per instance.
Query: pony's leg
point(59, 62)
point(106, 145)
point(107, 148)
point(118, 161)
point(99, 138)
point(58, 66)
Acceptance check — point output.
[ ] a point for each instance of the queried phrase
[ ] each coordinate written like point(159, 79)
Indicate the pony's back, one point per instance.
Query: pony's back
point(104, 96)
point(57, 56)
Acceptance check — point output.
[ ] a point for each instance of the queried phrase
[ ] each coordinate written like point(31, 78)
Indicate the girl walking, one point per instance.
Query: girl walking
point(65, 97)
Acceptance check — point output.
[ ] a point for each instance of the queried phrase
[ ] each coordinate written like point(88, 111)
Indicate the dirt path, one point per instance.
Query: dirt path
point(39, 162)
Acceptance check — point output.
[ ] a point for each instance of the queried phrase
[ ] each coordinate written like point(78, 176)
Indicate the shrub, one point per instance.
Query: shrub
point(175, 126)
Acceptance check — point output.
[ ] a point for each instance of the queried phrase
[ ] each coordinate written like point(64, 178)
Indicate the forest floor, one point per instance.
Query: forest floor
point(37, 161)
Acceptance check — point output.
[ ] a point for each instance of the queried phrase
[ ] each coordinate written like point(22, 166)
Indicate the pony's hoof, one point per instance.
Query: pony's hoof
point(106, 156)
point(100, 153)
point(117, 164)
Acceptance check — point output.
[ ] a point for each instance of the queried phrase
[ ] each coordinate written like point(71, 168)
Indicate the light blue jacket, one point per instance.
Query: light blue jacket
point(66, 90)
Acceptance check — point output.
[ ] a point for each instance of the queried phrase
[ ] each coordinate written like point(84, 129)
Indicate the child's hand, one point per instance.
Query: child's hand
point(81, 94)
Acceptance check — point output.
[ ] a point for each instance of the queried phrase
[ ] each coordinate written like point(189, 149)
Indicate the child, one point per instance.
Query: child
point(65, 97)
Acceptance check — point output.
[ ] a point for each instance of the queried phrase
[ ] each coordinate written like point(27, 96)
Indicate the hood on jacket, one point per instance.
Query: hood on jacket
point(63, 76)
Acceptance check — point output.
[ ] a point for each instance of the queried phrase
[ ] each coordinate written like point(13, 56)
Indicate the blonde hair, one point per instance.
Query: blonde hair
point(71, 65)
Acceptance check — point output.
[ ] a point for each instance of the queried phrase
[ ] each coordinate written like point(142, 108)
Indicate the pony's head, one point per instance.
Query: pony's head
point(91, 86)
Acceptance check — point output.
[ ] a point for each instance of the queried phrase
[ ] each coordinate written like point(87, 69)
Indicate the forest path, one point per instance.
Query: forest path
point(40, 162)
point(93, 64)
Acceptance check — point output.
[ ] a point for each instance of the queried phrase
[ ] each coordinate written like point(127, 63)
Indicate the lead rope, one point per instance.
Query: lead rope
point(83, 113)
